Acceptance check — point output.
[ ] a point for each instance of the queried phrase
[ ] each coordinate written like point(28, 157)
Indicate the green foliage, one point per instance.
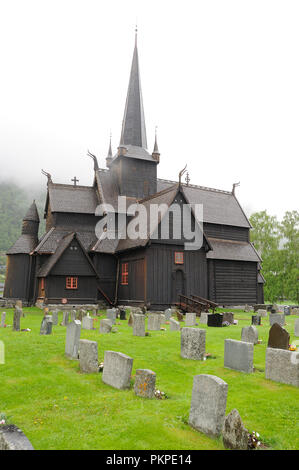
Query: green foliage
point(278, 244)
point(14, 203)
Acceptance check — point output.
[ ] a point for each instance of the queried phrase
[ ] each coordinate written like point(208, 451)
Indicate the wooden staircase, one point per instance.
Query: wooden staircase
point(195, 304)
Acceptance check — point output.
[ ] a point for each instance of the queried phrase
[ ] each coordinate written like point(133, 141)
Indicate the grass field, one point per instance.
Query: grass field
point(58, 407)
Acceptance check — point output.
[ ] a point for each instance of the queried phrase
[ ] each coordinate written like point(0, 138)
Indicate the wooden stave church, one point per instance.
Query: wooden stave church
point(68, 264)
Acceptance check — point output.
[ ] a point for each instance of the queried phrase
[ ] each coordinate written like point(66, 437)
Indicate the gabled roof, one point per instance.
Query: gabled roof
point(232, 250)
point(32, 213)
point(73, 199)
point(62, 246)
point(51, 240)
point(219, 207)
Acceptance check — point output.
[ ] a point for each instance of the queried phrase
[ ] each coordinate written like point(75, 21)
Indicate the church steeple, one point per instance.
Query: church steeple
point(133, 127)
point(109, 155)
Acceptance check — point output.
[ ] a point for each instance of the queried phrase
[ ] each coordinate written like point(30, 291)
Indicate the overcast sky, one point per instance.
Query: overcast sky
point(220, 79)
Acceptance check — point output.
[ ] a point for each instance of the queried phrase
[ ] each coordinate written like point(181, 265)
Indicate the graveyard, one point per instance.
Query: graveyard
point(51, 398)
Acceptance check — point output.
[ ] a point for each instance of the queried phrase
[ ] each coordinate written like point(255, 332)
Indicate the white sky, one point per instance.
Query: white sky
point(220, 79)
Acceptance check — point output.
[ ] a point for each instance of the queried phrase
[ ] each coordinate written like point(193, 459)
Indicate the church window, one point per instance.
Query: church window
point(72, 283)
point(179, 257)
point(124, 274)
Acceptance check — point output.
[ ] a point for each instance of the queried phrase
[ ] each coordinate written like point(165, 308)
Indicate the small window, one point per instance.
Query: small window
point(179, 257)
point(124, 274)
point(72, 283)
point(42, 283)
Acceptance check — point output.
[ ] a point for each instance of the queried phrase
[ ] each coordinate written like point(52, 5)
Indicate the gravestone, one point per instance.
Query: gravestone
point(122, 314)
point(247, 308)
point(65, 318)
point(131, 319)
point(228, 317)
point(162, 318)
point(215, 319)
point(105, 325)
point(296, 328)
point(117, 369)
point(17, 319)
point(73, 315)
point(234, 434)
point(111, 315)
point(278, 338)
point(286, 310)
point(274, 308)
point(250, 334)
point(255, 320)
point(282, 366)
point(276, 318)
point(180, 316)
point(19, 303)
point(190, 319)
point(88, 356)
point(168, 314)
point(238, 355)
point(204, 318)
point(55, 317)
point(174, 325)
point(154, 322)
point(295, 311)
point(145, 382)
point(87, 323)
point(3, 318)
point(262, 312)
point(73, 331)
point(139, 325)
point(12, 438)
point(46, 325)
point(193, 343)
point(208, 404)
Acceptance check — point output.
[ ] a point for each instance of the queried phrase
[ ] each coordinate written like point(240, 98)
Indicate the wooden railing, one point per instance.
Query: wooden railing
point(190, 305)
point(208, 303)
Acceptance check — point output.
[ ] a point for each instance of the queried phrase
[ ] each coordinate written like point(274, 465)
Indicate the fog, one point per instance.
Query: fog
point(219, 79)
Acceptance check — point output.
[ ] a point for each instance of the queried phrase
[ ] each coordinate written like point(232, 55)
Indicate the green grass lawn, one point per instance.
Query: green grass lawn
point(57, 407)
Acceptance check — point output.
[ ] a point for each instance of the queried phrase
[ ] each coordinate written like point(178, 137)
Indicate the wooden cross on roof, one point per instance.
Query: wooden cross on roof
point(75, 180)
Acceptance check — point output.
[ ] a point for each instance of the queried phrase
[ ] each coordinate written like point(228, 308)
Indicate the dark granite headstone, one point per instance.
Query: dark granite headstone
point(228, 317)
point(287, 310)
point(122, 314)
point(215, 319)
point(256, 320)
point(279, 338)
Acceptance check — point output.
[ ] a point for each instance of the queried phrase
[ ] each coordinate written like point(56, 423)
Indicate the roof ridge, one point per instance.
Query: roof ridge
point(65, 185)
point(205, 188)
point(163, 191)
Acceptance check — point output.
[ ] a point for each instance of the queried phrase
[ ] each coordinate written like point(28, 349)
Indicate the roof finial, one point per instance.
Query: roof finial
point(136, 33)
point(95, 161)
point(234, 187)
point(181, 174)
point(156, 153)
point(109, 155)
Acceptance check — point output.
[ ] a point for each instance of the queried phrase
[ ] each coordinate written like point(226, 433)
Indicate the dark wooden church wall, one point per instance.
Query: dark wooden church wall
point(227, 232)
point(106, 266)
point(55, 290)
point(18, 278)
point(76, 222)
point(137, 178)
point(163, 277)
point(234, 283)
point(136, 290)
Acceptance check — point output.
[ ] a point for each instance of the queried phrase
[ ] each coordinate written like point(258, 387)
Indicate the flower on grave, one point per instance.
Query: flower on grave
point(2, 421)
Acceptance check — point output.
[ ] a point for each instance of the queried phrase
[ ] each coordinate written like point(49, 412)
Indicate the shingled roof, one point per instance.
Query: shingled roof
point(51, 240)
point(219, 207)
point(74, 199)
point(24, 245)
point(232, 250)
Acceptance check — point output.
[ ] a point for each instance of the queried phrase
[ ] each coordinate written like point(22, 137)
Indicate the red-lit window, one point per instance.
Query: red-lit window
point(42, 283)
point(72, 283)
point(125, 274)
point(179, 257)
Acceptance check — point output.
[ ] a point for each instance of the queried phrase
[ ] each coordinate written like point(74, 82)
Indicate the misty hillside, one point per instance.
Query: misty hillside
point(14, 203)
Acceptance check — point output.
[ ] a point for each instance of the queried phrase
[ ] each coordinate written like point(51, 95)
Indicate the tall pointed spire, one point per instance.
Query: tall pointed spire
point(133, 127)
point(109, 155)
